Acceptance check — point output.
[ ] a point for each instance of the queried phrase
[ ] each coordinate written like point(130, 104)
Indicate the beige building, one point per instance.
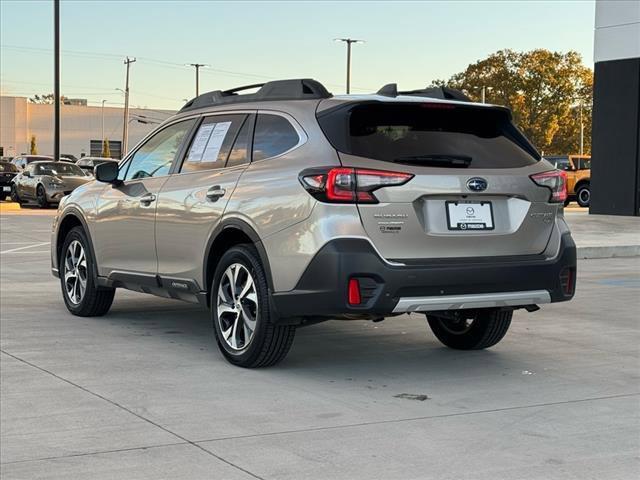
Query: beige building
point(81, 127)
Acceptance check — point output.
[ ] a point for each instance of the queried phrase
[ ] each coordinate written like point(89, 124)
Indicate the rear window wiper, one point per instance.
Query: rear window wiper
point(437, 160)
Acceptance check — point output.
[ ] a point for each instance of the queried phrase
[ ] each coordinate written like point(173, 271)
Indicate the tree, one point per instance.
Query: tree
point(545, 91)
point(47, 99)
point(33, 147)
point(106, 151)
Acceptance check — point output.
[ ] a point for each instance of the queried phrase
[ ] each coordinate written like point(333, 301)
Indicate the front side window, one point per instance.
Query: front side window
point(155, 156)
point(212, 143)
point(273, 136)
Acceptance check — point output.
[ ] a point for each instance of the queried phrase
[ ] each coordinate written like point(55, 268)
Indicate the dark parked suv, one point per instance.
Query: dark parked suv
point(289, 206)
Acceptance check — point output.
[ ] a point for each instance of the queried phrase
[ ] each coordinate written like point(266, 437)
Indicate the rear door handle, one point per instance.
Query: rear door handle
point(147, 199)
point(214, 193)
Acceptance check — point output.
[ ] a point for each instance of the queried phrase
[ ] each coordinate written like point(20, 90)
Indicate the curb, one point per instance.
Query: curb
point(615, 251)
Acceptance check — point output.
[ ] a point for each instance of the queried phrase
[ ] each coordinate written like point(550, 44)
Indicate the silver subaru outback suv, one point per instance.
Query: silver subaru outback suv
point(289, 206)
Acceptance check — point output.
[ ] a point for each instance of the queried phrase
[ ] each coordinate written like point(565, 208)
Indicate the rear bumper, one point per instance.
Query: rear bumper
point(427, 285)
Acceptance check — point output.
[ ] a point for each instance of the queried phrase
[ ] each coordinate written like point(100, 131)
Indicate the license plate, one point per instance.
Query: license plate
point(469, 215)
point(6, 189)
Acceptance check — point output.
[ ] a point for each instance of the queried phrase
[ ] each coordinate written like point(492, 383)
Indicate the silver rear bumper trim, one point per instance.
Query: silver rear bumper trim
point(481, 300)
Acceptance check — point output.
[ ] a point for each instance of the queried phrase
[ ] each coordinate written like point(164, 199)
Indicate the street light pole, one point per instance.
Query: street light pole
point(56, 79)
point(581, 131)
point(348, 41)
point(125, 129)
point(197, 66)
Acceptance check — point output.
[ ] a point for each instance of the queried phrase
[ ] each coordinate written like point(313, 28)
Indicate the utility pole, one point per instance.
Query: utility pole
point(197, 66)
point(348, 41)
point(102, 138)
point(483, 94)
point(125, 129)
point(56, 79)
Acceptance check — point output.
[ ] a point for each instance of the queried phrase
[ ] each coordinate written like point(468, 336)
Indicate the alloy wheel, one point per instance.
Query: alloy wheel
point(585, 196)
point(237, 306)
point(75, 272)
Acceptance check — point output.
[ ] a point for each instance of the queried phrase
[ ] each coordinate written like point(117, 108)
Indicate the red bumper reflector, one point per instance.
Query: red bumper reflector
point(354, 292)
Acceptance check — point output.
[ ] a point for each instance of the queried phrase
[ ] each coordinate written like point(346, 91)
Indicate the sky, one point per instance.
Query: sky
point(409, 43)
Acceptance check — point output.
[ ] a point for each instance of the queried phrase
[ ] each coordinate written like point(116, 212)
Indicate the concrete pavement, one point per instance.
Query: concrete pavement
point(144, 393)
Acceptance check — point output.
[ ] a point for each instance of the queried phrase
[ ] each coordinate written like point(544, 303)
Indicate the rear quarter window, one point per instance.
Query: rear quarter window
point(274, 135)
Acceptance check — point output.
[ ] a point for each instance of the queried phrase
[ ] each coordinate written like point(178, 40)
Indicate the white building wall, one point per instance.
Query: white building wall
point(617, 30)
point(19, 120)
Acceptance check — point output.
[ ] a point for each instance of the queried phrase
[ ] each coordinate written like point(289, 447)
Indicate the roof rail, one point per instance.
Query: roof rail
point(296, 89)
point(446, 93)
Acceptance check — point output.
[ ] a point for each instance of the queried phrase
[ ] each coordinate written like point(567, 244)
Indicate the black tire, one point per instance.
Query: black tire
point(3, 197)
point(14, 194)
point(567, 202)
point(96, 300)
point(41, 197)
point(487, 327)
point(583, 195)
point(270, 342)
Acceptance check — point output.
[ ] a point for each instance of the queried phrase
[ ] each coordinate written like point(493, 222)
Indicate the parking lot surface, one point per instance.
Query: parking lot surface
point(142, 393)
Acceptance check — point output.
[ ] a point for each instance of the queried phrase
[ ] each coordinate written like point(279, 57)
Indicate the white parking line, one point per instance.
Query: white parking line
point(24, 248)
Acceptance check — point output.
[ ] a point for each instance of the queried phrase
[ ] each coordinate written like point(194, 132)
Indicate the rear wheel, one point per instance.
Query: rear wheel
point(242, 318)
point(473, 330)
point(3, 196)
point(41, 196)
point(78, 280)
point(583, 195)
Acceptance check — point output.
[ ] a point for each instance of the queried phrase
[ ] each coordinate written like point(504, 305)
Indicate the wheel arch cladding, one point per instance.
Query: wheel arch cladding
point(229, 234)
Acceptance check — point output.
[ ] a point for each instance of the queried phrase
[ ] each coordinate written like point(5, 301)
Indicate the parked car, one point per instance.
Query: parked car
point(87, 163)
point(68, 157)
point(21, 161)
point(47, 182)
point(290, 206)
point(578, 169)
point(7, 172)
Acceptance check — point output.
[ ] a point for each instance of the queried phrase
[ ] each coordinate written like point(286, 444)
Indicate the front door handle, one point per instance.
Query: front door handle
point(214, 193)
point(147, 199)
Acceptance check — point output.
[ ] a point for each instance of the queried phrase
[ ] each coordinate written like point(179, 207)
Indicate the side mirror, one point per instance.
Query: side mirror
point(106, 172)
point(26, 173)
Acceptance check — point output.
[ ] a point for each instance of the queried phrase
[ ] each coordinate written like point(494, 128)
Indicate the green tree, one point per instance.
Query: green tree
point(106, 151)
point(33, 147)
point(545, 91)
point(47, 99)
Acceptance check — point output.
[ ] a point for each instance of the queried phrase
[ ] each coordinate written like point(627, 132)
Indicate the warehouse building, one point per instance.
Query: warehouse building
point(81, 127)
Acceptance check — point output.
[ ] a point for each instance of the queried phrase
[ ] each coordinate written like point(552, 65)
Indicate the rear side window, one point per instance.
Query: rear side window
point(273, 136)
point(212, 143)
point(429, 134)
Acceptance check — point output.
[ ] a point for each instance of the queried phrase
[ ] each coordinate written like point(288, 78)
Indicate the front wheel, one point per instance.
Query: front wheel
point(474, 330)
point(78, 280)
point(242, 318)
point(583, 195)
point(14, 194)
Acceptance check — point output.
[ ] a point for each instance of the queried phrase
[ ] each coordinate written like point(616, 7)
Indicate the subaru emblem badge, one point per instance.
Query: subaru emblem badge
point(477, 184)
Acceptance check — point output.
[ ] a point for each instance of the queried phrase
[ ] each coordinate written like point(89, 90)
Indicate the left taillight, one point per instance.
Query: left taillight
point(555, 181)
point(349, 185)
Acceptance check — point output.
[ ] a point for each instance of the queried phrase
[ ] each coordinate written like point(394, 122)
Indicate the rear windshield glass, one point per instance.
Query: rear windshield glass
point(429, 134)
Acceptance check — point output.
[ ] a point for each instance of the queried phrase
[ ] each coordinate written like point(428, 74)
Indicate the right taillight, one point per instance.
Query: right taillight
point(349, 185)
point(554, 180)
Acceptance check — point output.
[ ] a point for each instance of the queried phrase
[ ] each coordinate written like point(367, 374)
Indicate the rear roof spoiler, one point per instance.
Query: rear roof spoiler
point(444, 93)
